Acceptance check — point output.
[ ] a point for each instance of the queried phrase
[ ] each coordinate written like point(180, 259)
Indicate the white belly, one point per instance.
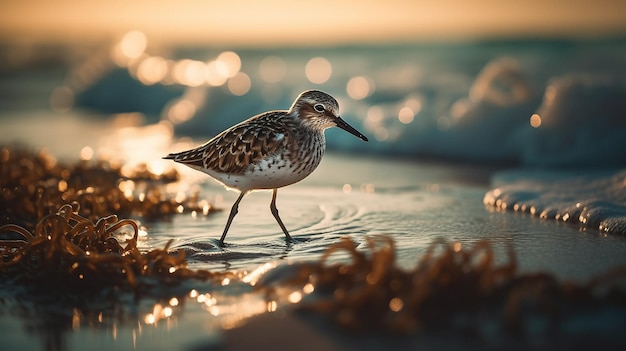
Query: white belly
point(267, 174)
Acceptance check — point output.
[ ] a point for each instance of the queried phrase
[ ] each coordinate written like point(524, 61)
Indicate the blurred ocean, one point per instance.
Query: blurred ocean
point(518, 142)
point(469, 102)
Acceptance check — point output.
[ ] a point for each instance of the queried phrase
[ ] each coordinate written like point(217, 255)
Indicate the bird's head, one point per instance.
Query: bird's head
point(318, 110)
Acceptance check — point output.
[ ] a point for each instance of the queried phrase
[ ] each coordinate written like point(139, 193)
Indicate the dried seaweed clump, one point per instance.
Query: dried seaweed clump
point(34, 184)
point(68, 252)
point(451, 288)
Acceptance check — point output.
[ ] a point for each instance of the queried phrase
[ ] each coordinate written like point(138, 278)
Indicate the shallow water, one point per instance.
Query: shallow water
point(414, 203)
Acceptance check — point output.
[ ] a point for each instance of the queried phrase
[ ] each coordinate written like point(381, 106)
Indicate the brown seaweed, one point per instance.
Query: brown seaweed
point(70, 251)
point(34, 184)
point(451, 287)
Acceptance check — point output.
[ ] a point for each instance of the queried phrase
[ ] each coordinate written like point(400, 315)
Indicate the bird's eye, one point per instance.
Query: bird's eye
point(319, 107)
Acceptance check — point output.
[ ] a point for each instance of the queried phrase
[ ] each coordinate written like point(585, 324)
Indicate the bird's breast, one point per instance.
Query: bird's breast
point(269, 173)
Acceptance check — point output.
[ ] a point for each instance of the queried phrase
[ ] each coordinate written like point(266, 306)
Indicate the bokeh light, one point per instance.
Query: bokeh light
point(216, 73)
point(460, 108)
point(414, 103)
point(231, 61)
point(406, 115)
point(359, 87)
point(152, 70)
point(239, 84)
point(374, 117)
point(133, 44)
point(86, 153)
point(381, 133)
point(294, 297)
point(180, 111)
point(272, 69)
point(535, 120)
point(131, 47)
point(318, 70)
point(374, 123)
point(190, 72)
point(347, 188)
point(396, 304)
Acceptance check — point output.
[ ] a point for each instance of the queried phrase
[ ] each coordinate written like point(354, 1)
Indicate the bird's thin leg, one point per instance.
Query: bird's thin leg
point(233, 213)
point(275, 213)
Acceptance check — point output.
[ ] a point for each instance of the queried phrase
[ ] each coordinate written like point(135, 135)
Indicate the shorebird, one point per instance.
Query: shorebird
point(270, 150)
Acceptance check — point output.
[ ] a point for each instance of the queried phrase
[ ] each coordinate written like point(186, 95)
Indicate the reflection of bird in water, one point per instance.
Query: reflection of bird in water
point(270, 150)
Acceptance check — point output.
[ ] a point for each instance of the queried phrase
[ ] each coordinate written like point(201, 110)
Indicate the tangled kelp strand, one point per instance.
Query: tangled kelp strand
point(34, 184)
point(68, 251)
point(451, 287)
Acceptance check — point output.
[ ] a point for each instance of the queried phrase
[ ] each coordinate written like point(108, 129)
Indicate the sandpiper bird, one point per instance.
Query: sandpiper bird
point(270, 150)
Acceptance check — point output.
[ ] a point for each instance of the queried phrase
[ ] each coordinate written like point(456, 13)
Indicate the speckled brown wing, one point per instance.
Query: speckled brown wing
point(246, 143)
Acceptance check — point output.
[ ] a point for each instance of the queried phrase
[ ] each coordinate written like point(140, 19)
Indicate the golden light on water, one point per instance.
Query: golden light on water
point(138, 145)
point(368, 188)
point(253, 277)
point(318, 70)
point(158, 166)
point(133, 44)
point(158, 312)
point(127, 187)
point(180, 197)
point(412, 106)
point(456, 247)
point(396, 304)
point(86, 153)
point(406, 115)
point(129, 48)
point(239, 84)
point(381, 134)
point(374, 123)
point(347, 188)
point(180, 111)
point(216, 73)
point(205, 207)
point(206, 299)
point(535, 120)
point(231, 61)
point(190, 72)
point(294, 297)
point(76, 316)
point(414, 103)
point(152, 70)
point(149, 318)
point(374, 117)
point(359, 87)
point(272, 69)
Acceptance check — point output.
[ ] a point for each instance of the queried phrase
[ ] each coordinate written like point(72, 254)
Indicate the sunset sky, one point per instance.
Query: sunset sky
point(280, 22)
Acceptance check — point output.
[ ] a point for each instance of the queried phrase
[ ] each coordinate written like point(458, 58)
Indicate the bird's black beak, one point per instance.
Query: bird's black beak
point(348, 128)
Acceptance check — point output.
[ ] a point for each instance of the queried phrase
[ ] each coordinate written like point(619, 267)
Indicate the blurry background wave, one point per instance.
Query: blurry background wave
point(537, 84)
